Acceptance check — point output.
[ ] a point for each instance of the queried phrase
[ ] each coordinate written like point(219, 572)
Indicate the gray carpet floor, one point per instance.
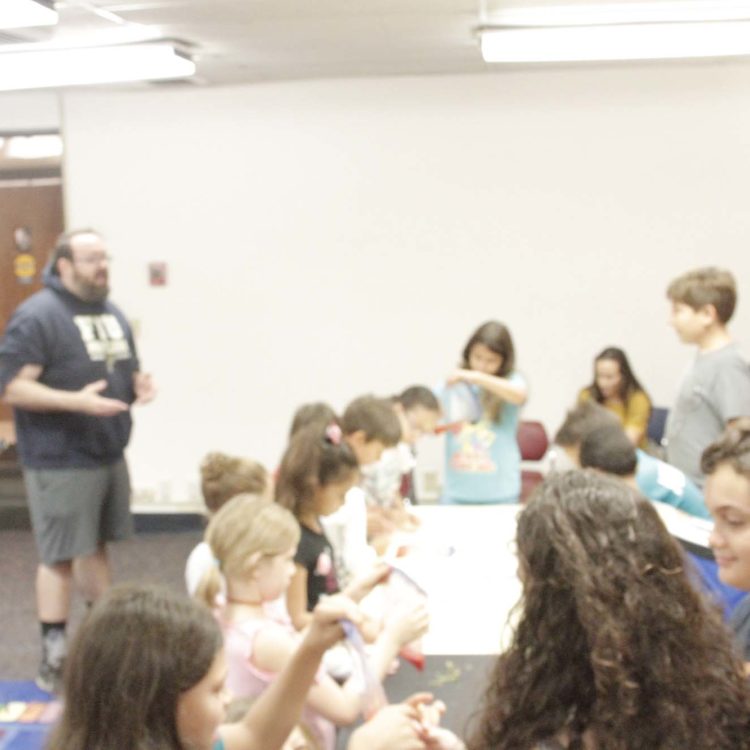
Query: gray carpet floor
point(147, 558)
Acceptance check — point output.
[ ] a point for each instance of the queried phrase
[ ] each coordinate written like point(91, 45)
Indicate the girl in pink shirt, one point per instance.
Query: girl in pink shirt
point(253, 543)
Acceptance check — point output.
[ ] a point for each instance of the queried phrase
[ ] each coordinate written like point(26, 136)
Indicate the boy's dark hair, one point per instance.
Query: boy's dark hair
point(316, 412)
point(706, 286)
point(733, 448)
point(375, 417)
point(418, 395)
point(580, 420)
point(608, 449)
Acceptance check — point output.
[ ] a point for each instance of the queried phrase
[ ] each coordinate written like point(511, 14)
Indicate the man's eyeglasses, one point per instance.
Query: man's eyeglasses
point(92, 260)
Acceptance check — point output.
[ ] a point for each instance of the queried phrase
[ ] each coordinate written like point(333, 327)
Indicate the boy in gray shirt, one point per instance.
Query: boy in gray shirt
point(716, 389)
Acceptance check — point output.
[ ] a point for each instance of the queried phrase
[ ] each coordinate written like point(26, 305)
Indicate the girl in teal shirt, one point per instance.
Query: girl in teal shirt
point(483, 461)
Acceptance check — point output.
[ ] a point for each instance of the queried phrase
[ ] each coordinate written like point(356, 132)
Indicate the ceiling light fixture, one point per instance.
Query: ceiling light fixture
point(16, 14)
point(688, 11)
point(50, 68)
point(34, 146)
point(661, 41)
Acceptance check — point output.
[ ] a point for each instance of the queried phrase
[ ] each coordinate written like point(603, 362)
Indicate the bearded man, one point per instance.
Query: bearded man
point(69, 369)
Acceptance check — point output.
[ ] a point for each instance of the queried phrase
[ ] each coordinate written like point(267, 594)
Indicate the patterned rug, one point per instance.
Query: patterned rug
point(26, 714)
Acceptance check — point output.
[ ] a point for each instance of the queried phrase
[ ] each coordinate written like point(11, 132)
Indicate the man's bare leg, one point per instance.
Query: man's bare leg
point(92, 575)
point(53, 589)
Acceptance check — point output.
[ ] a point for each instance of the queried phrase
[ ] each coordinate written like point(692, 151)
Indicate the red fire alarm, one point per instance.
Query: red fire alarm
point(157, 274)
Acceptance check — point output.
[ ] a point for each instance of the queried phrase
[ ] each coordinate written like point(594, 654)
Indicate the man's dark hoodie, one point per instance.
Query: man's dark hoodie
point(75, 343)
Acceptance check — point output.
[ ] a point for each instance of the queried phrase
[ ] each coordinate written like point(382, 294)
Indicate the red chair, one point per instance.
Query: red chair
point(533, 443)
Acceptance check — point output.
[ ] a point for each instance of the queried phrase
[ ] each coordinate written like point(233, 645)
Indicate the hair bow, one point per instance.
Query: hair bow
point(334, 434)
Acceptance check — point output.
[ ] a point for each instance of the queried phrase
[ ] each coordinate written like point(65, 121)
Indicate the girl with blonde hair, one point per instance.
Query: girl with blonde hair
point(253, 543)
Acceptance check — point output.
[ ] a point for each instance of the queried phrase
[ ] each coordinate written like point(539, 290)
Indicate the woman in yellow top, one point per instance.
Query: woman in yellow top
point(617, 389)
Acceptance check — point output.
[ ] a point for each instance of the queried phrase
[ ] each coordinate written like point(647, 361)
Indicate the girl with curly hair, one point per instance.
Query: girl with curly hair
point(613, 649)
point(222, 477)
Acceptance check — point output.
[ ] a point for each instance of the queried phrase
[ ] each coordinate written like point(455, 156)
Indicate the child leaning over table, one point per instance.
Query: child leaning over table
point(388, 483)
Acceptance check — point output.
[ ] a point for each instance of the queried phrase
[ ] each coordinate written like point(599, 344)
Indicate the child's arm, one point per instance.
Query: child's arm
point(273, 651)
point(638, 411)
point(273, 715)
point(296, 599)
point(407, 626)
point(378, 522)
point(514, 393)
point(341, 704)
point(411, 725)
point(361, 586)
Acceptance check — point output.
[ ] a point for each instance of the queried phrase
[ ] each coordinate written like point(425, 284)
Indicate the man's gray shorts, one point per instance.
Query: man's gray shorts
point(74, 511)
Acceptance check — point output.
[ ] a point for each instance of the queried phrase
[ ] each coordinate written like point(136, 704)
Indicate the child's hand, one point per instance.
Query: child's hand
point(411, 522)
point(430, 712)
point(364, 584)
point(438, 738)
point(392, 728)
point(370, 629)
point(325, 629)
point(381, 543)
point(409, 624)
point(459, 375)
point(379, 522)
point(296, 740)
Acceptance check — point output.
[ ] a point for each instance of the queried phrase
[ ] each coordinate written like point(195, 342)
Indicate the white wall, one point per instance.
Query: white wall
point(326, 239)
point(29, 111)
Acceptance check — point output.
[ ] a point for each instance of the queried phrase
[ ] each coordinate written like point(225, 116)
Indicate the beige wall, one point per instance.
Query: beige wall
point(33, 110)
point(330, 238)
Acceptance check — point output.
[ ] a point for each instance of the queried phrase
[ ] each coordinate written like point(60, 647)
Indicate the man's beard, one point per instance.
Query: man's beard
point(89, 291)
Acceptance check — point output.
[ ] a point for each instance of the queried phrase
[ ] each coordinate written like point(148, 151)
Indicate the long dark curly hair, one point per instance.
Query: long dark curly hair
point(612, 640)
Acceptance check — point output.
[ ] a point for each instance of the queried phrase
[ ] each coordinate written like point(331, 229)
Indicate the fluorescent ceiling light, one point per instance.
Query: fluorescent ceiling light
point(15, 14)
point(658, 41)
point(689, 11)
point(49, 68)
point(34, 147)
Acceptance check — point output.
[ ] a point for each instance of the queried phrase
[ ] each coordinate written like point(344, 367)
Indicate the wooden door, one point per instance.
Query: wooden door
point(38, 208)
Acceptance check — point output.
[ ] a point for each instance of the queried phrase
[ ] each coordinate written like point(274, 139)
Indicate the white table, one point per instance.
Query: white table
point(472, 589)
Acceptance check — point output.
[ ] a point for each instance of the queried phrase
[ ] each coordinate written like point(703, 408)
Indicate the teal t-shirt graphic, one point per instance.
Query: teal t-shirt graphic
point(483, 461)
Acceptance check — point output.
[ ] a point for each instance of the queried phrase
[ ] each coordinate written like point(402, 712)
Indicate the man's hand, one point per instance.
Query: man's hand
point(144, 386)
point(90, 402)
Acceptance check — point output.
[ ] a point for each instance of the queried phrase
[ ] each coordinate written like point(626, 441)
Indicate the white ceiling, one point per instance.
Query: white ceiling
point(236, 41)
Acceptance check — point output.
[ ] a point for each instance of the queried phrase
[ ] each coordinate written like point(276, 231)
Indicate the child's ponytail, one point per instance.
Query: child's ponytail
point(210, 586)
point(246, 529)
point(314, 458)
